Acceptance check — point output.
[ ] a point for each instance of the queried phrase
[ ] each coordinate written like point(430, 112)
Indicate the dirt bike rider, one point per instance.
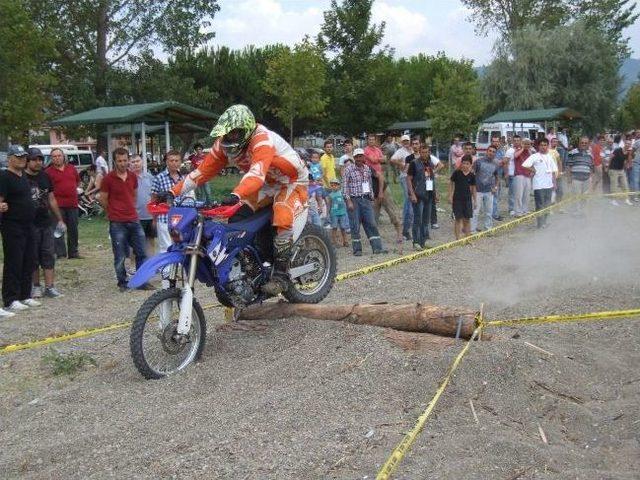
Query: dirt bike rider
point(273, 174)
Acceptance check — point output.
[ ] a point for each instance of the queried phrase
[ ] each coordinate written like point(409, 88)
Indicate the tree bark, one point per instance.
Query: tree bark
point(100, 79)
point(413, 317)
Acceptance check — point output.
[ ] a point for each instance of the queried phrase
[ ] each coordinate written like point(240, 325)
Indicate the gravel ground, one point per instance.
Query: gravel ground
point(264, 404)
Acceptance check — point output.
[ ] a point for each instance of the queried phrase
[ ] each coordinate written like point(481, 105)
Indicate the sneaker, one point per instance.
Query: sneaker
point(30, 302)
point(76, 257)
point(512, 213)
point(416, 247)
point(615, 203)
point(17, 306)
point(498, 218)
point(36, 291)
point(52, 292)
point(357, 254)
point(6, 314)
point(435, 226)
point(379, 252)
point(628, 202)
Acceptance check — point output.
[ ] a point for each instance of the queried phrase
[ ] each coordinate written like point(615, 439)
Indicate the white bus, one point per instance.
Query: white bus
point(487, 131)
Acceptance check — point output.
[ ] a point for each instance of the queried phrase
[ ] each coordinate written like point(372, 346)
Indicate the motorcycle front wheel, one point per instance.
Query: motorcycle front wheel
point(313, 246)
point(157, 349)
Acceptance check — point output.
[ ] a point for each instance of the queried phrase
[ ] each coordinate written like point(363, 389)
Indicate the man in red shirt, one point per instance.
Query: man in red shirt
point(203, 192)
point(373, 155)
point(65, 181)
point(118, 193)
point(596, 153)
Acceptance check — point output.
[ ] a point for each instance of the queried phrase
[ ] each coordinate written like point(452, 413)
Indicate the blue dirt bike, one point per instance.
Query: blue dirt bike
point(169, 330)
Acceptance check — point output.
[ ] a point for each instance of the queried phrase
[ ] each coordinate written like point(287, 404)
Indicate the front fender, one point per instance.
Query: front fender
point(150, 267)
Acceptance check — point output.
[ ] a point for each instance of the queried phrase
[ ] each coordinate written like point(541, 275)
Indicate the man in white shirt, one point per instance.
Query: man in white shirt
point(102, 168)
point(347, 157)
point(545, 171)
point(398, 160)
point(511, 170)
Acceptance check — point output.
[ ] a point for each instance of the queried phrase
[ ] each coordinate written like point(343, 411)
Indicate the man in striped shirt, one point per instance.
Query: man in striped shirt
point(580, 167)
point(357, 187)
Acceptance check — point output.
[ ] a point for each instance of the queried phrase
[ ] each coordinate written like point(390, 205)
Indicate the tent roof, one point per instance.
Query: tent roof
point(152, 129)
point(540, 115)
point(174, 112)
point(415, 125)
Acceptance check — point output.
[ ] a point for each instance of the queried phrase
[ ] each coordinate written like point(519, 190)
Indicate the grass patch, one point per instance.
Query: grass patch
point(67, 363)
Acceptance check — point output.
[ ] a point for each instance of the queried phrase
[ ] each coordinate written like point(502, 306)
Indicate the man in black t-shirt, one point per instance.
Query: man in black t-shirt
point(620, 162)
point(44, 202)
point(18, 213)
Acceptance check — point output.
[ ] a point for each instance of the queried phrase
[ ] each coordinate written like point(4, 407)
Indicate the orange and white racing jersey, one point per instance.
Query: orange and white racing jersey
point(268, 159)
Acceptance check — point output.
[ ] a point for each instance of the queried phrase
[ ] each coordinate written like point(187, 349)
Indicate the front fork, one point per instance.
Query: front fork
point(186, 300)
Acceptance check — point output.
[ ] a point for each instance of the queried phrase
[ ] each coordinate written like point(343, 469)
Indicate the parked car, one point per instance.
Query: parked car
point(3, 160)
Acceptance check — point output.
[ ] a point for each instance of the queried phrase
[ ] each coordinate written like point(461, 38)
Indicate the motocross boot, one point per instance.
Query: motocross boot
point(279, 280)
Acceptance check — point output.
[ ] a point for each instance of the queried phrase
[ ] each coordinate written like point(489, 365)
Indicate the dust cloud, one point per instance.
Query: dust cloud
point(602, 247)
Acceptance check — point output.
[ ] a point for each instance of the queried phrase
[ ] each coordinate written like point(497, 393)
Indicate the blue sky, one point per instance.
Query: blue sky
point(413, 26)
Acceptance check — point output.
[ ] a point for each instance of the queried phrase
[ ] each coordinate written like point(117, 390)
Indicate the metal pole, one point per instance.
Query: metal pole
point(109, 160)
point(167, 139)
point(134, 144)
point(143, 140)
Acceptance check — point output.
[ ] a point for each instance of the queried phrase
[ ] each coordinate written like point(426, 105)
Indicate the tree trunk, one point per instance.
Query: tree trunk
point(413, 317)
point(100, 81)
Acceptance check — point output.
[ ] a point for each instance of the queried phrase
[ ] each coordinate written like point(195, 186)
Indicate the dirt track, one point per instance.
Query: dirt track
point(305, 399)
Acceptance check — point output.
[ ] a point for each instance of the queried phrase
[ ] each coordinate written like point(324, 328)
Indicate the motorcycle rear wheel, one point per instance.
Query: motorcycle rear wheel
point(314, 246)
point(150, 335)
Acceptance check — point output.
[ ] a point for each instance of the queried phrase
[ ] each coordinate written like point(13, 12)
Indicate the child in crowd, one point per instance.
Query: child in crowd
point(338, 214)
point(315, 168)
point(315, 202)
point(462, 196)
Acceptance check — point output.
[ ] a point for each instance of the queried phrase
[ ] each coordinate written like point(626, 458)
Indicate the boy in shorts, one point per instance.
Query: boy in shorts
point(338, 213)
point(462, 196)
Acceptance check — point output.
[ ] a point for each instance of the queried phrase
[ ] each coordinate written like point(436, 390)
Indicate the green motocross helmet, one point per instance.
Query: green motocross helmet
point(234, 128)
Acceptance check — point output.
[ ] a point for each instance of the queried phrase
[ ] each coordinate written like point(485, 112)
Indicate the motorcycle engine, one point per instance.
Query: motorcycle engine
point(244, 280)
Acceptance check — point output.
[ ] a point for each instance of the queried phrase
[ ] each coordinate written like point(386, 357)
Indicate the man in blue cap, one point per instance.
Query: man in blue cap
point(18, 212)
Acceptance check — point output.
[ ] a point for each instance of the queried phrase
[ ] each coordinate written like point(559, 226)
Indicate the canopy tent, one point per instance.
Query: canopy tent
point(142, 116)
point(540, 115)
point(415, 125)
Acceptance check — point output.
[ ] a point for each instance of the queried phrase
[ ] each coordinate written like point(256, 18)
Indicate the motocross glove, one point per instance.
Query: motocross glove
point(230, 199)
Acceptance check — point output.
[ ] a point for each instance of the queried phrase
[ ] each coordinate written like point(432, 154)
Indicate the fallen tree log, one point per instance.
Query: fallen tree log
point(413, 317)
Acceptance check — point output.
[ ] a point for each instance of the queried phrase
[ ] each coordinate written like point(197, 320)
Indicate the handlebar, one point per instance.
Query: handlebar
point(209, 211)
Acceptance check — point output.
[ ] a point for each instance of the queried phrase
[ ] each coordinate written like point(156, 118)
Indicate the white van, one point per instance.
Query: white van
point(81, 159)
point(487, 131)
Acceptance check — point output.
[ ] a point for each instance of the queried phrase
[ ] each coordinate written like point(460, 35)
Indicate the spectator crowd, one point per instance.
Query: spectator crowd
point(39, 206)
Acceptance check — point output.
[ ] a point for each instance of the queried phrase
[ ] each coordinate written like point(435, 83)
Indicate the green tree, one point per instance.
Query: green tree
point(295, 79)
point(417, 76)
point(571, 66)
point(24, 79)
point(363, 88)
point(457, 104)
point(507, 17)
point(629, 112)
point(93, 37)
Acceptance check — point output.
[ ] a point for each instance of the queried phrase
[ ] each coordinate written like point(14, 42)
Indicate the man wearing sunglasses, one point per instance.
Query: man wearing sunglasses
point(274, 174)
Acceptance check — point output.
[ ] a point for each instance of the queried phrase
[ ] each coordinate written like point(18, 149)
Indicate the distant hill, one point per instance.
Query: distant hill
point(629, 72)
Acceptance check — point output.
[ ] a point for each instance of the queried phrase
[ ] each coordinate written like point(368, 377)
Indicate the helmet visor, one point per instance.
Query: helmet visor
point(233, 142)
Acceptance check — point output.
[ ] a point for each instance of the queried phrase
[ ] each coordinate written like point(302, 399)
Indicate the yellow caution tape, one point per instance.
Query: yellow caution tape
point(88, 332)
point(405, 444)
point(62, 338)
point(579, 317)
